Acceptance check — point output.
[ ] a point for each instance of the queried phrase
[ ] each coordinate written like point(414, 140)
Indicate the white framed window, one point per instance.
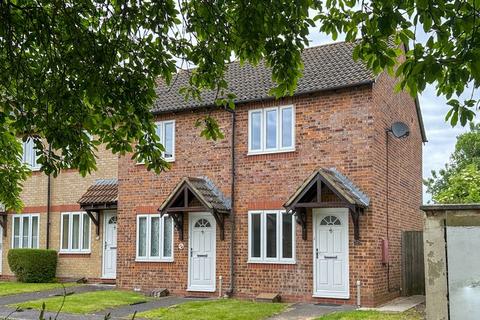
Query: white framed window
point(29, 155)
point(26, 228)
point(75, 232)
point(271, 237)
point(154, 238)
point(271, 130)
point(166, 132)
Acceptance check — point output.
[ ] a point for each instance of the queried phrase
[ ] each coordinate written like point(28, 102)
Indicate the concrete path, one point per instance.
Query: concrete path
point(400, 304)
point(305, 311)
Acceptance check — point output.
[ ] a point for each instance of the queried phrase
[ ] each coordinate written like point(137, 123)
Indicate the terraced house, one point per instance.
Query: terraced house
point(305, 197)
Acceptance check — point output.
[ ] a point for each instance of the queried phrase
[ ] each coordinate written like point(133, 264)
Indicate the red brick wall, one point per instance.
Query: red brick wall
point(339, 129)
point(405, 180)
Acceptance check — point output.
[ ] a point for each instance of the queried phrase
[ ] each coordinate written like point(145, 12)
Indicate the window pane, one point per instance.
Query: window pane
point(271, 235)
point(65, 230)
point(86, 232)
point(142, 237)
point(256, 241)
point(287, 127)
point(287, 241)
point(25, 229)
point(159, 130)
point(16, 232)
point(34, 232)
point(169, 132)
point(75, 231)
point(256, 130)
point(167, 237)
point(155, 237)
point(271, 129)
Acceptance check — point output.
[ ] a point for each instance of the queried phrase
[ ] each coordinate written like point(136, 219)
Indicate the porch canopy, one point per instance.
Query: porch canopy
point(327, 188)
point(102, 195)
point(196, 194)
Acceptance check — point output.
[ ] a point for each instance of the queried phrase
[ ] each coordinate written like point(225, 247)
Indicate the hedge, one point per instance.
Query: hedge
point(33, 265)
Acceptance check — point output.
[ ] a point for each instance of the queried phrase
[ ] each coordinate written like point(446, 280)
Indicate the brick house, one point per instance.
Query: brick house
point(299, 198)
point(53, 218)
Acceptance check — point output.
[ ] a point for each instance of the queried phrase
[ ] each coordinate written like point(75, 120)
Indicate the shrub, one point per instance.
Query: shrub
point(33, 265)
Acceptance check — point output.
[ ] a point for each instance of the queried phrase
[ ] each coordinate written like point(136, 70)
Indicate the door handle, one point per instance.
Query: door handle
point(330, 257)
point(191, 252)
point(202, 255)
point(113, 247)
point(316, 253)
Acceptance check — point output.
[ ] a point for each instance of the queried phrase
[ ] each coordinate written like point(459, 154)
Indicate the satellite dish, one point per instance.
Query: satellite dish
point(400, 130)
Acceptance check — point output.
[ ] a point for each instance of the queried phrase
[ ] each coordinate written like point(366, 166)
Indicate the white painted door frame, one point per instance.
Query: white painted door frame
point(106, 217)
point(192, 218)
point(318, 214)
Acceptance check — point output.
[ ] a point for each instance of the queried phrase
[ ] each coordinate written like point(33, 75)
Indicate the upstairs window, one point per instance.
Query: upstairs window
point(166, 132)
point(25, 231)
point(271, 130)
point(154, 238)
point(271, 237)
point(75, 234)
point(29, 156)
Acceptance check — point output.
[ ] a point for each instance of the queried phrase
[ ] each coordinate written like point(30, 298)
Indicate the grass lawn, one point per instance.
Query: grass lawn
point(226, 309)
point(87, 302)
point(8, 288)
point(372, 315)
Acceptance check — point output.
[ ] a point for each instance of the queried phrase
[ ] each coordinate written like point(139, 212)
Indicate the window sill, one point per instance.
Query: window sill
point(154, 260)
point(73, 253)
point(256, 153)
point(272, 262)
point(166, 160)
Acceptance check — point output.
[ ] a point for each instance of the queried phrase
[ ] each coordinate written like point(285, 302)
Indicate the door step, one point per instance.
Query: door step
point(268, 297)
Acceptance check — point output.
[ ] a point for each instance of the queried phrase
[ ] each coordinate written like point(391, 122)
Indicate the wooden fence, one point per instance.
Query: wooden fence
point(413, 271)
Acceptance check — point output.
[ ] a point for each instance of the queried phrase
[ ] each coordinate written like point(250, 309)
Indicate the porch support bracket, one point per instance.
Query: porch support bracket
point(301, 218)
point(3, 223)
point(177, 218)
point(220, 219)
point(355, 213)
point(96, 220)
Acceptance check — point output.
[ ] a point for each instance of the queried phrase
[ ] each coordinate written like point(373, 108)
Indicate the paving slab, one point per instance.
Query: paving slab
point(400, 304)
point(306, 311)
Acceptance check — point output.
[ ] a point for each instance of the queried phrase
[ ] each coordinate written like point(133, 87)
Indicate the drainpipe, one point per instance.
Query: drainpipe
point(232, 212)
point(49, 194)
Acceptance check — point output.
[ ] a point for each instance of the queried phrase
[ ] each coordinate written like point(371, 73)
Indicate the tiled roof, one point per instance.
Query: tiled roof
point(205, 190)
point(346, 187)
point(349, 191)
point(102, 192)
point(325, 67)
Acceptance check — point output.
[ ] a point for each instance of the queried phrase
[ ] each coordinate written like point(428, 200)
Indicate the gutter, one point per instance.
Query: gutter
point(210, 105)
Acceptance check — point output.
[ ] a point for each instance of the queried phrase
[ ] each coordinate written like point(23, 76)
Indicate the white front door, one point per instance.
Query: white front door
point(330, 256)
point(110, 245)
point(201, 262)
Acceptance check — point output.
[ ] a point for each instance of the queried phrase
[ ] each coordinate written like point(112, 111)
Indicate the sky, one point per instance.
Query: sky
point(440, 134)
